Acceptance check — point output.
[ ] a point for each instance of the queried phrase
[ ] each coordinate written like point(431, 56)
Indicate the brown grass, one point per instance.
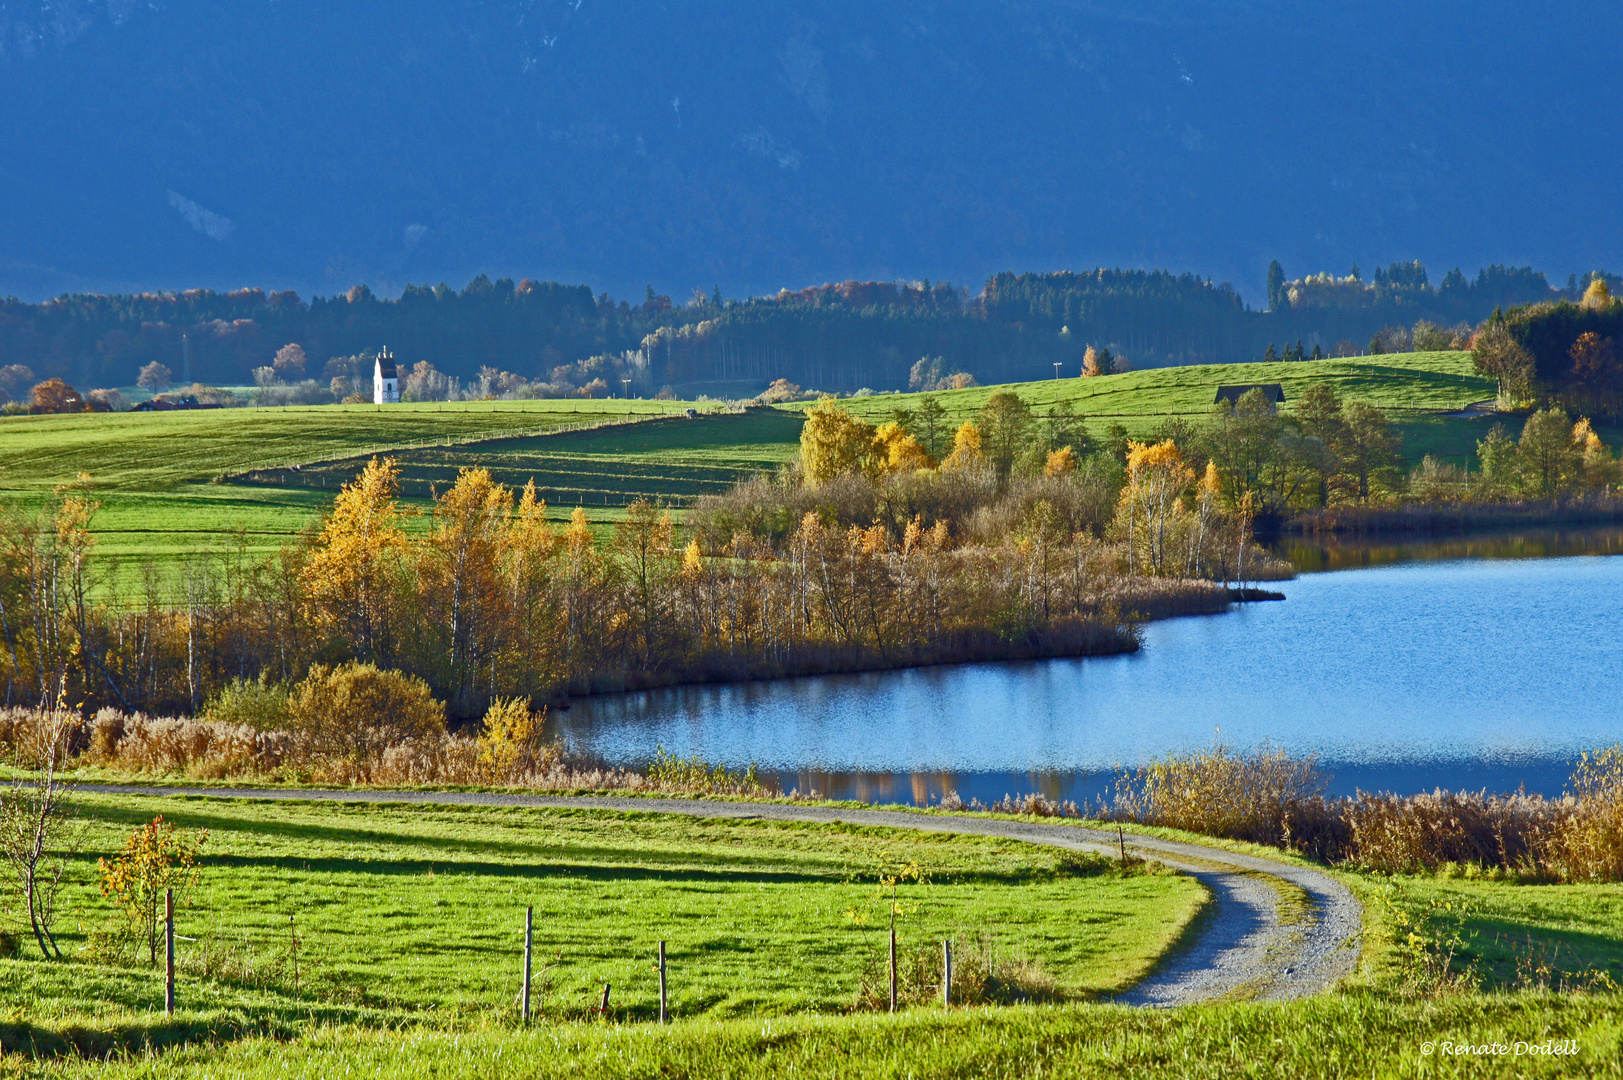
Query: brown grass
point(203, 750)
point(1271, 798)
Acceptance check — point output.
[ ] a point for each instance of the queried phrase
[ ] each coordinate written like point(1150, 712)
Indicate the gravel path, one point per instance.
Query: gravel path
point(1273, 931)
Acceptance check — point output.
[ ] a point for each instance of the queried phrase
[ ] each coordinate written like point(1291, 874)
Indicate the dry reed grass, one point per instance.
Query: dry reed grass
point(1271, 798)
point(204, 750)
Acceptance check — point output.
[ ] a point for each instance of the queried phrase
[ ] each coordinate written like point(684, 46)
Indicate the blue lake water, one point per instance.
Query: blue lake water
point(1468, 673)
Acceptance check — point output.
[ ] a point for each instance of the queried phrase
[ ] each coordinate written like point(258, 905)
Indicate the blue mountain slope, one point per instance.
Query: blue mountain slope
point(767, 144)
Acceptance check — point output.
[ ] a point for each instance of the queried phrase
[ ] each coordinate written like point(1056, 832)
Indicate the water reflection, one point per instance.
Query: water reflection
point(1315, 554)
point(1469, 674)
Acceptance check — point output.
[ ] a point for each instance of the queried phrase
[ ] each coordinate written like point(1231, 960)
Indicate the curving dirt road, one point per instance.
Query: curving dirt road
point(1273, 930)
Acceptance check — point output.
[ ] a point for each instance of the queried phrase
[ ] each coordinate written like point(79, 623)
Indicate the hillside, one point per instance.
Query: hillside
point(176, 483)
point(313, 146)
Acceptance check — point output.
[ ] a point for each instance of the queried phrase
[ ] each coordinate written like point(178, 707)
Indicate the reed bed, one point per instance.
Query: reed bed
point(146, 746)
point(1268, 797)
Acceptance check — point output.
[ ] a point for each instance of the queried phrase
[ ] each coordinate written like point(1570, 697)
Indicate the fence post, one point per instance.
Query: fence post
point(946, 973)
point(169, 952)
point(529, 917)
point(893, 969)
point(661, 982)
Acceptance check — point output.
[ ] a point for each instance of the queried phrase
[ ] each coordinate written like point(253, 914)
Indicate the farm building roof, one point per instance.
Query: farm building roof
point(1274, 392)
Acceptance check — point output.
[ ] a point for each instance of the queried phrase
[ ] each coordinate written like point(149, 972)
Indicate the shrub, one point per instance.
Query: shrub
point(256, 703)
point(1267, 798)
point(1588, 841)
point(156, 858)
point(511, 744)
point(356, 712)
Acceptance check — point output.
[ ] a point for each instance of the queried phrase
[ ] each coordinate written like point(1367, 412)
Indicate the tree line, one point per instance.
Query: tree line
point(492, 601)
point(546, 338)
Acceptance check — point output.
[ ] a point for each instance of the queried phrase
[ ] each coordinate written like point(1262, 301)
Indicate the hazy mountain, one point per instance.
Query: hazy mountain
point(288, 143)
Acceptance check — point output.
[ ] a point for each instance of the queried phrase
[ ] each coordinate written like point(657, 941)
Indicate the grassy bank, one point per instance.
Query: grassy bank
point(410, 922)
point(1359, 1034)
point(410, 914)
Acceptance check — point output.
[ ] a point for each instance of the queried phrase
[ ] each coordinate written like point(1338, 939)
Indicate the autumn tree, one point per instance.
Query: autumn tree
point(1597, 296)
point(55, 396)
point(1497, 354)
point(155, 377)
point(1596, 468)
point(833, 442)
point(350, 577)
point(353, 713)
point(460, 578)
point(645, 542)
point(157, 860)
point(966, 448)
point(289, 363)
point(894, 450)
point(1546, 453)
point(1596, 373)
point(1097, 362)
point(1157, 479)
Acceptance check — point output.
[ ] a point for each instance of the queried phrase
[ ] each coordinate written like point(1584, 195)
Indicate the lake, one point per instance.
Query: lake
point(1484, 671)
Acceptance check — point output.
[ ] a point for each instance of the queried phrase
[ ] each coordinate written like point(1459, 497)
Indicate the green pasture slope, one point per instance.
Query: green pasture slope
point(416, 914)
point(1415, 389)
point(410, 924)
point(666, 460)
point(159, 475)
point(156, 473)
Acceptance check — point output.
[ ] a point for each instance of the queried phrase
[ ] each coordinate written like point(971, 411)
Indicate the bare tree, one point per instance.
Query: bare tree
point(33, 822)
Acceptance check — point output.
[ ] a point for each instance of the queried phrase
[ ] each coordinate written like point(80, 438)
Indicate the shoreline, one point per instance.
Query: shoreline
point(1446, 519)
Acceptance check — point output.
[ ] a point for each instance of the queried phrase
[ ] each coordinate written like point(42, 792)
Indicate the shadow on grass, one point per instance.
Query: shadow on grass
point(1514, 955)
point(282, 1020)
point(597, 862)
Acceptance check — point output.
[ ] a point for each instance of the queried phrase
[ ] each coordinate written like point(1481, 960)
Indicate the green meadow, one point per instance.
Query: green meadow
point(175, 484)
point(416, 914)
point(409, 924)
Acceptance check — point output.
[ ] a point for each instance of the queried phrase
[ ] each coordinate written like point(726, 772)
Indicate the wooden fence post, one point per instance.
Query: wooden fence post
point(529, 917)
point(661, 982)
point(893, 968)
point(169, 952)
point(946, 973)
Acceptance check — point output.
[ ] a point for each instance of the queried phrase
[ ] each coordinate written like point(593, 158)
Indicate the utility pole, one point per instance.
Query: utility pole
point(186, 360)
point(1056, 370)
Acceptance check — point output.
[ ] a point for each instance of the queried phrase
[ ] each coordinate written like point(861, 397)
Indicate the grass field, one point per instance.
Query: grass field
point(662, 460)
point(1400, 383)
point(411, 924)
point(418, 912)
point(156, 473)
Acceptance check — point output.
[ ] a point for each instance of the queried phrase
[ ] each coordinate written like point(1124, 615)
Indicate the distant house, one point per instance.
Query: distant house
point(1232, 394)
point(385, 380)
point(168, 405)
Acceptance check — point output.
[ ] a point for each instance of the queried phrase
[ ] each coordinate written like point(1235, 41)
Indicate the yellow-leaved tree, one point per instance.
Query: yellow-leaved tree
point(1157, 478)
point(349, 580)
point(895, 450)
point(833, 442)
point(461, 580)
point(966, 448)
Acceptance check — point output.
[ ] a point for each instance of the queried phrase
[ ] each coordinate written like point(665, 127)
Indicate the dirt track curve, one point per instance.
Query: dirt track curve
point(1273, 930)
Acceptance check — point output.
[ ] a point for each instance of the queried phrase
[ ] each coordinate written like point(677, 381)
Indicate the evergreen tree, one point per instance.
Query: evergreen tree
point(1276, 286)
